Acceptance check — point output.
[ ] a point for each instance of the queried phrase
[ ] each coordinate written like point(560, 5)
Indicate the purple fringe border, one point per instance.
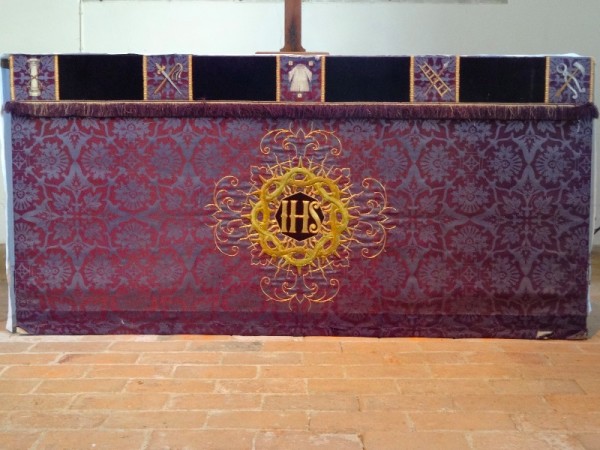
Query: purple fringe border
point(259, 110)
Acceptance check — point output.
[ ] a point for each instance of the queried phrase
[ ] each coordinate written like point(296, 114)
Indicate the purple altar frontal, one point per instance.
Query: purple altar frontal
point(300, 214)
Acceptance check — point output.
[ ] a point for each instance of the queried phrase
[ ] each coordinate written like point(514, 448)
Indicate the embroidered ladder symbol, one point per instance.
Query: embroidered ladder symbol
point(434, 78)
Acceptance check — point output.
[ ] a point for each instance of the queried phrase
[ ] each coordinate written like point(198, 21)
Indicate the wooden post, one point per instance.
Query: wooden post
point(293, 26)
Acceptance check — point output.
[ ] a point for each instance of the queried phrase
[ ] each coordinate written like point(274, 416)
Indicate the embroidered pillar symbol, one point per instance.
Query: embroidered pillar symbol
point(571, 80)
point(35, 87)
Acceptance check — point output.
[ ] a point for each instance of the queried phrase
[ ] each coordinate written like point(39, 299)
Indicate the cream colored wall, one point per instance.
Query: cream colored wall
point(357, 28)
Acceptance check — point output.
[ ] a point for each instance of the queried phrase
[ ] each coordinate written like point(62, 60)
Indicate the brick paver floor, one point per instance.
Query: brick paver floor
point(223, 392)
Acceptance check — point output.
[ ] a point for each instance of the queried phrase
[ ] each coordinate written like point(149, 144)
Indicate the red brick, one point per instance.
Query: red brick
point(44, 371)
point(14, 346)
point(130, 371)
point(501, 403)
point(573, 403)
point(80, 385)
point(302, 345)
point(149, 346)
point(379, 346)
point(582, 422)
point(224, 402)
point(301, 372)
point(476, 371)
point(27, 359)
point(55, 420)
point(425, 402)
point(215, 372)
point(300, 402)
point(461, 421)
point(180, 358)
point(264, 386)
point(293, 440)
point(262, 358)
point(145, 401)
point(358, 421)
point(523, 441)
point(15, 386)
point(18, 440)
point(23, 402)
point(589, 386)
point(93, 439)
point(98, 358)
point(179, 386)
point(518, 358)
point(69, 346)
point(156, 420)
point(533, 387)
point(259, 420)
point(394, 440)
point(202, 440)
point(422, 357)
point(589, 441)
point(389, 371)
point(225, 346)
point(356, 386)
point(444, 387)
point(345, 359)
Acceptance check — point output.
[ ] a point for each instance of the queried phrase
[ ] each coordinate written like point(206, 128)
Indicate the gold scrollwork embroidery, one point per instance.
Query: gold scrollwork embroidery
point(300, 216)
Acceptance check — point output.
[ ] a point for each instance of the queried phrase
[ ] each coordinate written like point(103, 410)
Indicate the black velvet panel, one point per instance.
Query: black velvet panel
point(502, 80)
point(250, 78)
point(373, 79)
point(101, 77)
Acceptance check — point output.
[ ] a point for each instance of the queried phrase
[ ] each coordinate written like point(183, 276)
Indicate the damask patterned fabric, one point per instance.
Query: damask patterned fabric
point(371, 227)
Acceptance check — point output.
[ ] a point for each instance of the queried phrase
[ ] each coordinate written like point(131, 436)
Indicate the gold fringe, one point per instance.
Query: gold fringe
point(190, 80)
point(56, 79)
point(411, 95)
point(323, 78)
point(278, 78)
point(457, 97)
point(592, 80)
point(145, 75)
point(547, 81)
point(11, 69)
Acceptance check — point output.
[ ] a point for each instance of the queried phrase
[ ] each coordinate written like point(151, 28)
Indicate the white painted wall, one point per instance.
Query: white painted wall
point(348, 28)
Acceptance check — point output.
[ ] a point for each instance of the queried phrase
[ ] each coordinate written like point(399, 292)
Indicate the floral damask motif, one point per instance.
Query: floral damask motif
point(24, 194)
point(552, 165)
point(436, 163)
point(130, 130)
point(52, 161)
point(133, 194)
point(133, 235)
point(392, 164)
point(473, 132)
point(469, 240)
point(549, 276)
point(506, 164)
point(504, 275)
point(97, 161)
point(470, 198)
point(435, 275)
point(54, 271)
point(26, 237)
point(100, 272)
point(444, 217)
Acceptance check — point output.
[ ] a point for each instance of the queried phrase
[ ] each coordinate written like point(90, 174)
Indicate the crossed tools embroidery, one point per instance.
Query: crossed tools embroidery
point(173, 76)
